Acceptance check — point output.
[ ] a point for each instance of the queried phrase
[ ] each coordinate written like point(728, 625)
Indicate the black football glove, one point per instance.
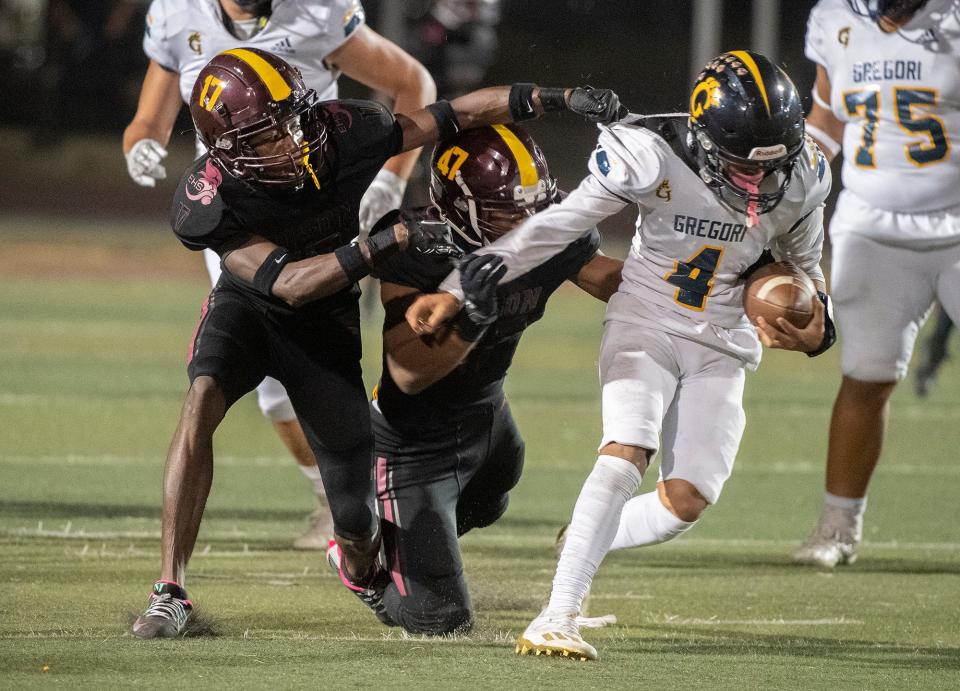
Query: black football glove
point(480, 275)
point(428, 236)
point(421, 235)
point(596, 105)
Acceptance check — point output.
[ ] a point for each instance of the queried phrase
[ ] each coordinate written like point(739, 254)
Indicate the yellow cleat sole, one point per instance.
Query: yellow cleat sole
point(524, 647)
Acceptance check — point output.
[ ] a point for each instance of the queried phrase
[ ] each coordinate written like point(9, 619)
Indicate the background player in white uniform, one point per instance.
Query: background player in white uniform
point(713, 191)
point(888, 88)
point(322, 38)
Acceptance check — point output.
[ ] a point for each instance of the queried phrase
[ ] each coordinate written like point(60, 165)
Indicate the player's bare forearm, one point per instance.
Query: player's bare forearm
point(371, 59)
point(417, 362)
point(298, 282)
point(600, 277)
point(157, 108)
point(430, 312)
point(822, 124)
point(488, 106)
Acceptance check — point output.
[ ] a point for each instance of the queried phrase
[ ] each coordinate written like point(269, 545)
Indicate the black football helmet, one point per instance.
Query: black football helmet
point(746, 122)
point(896, 11)
point(484, 181)
point(257, 119)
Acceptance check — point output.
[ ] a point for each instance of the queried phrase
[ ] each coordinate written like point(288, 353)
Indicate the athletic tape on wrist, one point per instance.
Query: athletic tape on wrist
point(521, 102)
point(553, 99)
point(352, 262)
point(446, 119)
point(829, 330)
point(269, 271)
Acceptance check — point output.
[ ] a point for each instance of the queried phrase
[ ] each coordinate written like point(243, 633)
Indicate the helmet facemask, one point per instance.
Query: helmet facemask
point(480, 220)
point(277, 150)
point(752, 185)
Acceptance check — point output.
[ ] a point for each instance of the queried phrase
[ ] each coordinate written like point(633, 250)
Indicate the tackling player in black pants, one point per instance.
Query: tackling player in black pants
point(447, 449)
point(277, 197)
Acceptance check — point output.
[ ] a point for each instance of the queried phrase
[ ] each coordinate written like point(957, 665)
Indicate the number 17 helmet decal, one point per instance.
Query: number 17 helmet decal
point(486, 180)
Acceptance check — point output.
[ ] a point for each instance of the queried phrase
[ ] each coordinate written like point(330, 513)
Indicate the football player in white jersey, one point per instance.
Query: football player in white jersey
point(321, 38)
point(714, 190)
point(887, 95)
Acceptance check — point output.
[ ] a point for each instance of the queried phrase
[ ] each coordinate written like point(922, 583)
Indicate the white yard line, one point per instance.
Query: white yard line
point(782, 467)
point(677, 620)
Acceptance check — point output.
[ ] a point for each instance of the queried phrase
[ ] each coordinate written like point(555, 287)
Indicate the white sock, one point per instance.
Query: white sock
point(857, 506)
point(646, 521)
point(852, 508)
point(596, 516)
point(312, 473)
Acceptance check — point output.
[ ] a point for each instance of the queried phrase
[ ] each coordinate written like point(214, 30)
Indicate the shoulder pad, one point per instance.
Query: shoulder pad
point(827, 20)
point(198, 207)
point(337, 18)
point(356, 118)
point(628, 160)
point(361, 129)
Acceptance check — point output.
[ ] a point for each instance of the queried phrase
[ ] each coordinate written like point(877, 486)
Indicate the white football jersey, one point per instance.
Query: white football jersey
point(898, 95)
point(683, 272)
point(183, 35)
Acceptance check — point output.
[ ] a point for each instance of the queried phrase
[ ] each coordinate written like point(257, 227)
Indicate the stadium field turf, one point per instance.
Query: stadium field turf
point(91, 379)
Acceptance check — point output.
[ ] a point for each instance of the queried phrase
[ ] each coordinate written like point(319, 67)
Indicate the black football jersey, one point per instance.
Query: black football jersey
point(521, 302)
point(213, 210)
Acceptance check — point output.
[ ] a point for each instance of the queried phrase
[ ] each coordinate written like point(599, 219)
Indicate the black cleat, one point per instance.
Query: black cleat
point(166, 614)
point(370, 593)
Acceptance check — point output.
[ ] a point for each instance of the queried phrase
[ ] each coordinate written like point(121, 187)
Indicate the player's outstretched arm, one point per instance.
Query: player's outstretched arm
point(533, 242)
point(600, 277)
point(498, 104)
point(266, 267)
point(148, 133)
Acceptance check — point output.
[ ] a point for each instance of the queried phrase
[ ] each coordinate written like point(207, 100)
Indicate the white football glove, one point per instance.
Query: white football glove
point(384, 194)
point(143, 162)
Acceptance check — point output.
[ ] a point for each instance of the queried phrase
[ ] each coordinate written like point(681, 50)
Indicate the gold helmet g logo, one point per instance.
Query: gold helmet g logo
point(705, 94)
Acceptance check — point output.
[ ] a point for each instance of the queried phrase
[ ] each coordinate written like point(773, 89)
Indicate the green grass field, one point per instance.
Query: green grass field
point(91, 378)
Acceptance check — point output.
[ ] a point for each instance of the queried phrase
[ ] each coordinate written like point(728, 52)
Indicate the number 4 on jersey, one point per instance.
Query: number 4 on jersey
point(694, 277)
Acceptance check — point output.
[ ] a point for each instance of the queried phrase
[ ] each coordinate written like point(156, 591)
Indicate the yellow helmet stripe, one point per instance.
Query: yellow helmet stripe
point(755, 71)
point(528, 171)
point(279, 89)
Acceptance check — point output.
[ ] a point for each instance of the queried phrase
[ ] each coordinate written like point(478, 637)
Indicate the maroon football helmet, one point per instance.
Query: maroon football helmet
point(486, 180)
point(257, 119)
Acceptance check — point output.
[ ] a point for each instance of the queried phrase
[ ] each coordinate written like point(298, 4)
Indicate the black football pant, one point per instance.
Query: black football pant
point(315, 353)
point(432, 489)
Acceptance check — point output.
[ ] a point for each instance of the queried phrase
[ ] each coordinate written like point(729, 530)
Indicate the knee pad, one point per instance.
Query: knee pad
point(274, 402)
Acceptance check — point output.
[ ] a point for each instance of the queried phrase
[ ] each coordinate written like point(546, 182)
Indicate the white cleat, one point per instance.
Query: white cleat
point(555, 634)
point(833, 541)
point(320, 529)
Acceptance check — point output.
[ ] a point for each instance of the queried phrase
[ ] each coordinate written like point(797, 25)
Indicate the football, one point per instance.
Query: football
point(779, 289)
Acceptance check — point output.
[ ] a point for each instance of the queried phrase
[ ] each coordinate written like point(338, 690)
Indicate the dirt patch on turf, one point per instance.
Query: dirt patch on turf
point(51, 259)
